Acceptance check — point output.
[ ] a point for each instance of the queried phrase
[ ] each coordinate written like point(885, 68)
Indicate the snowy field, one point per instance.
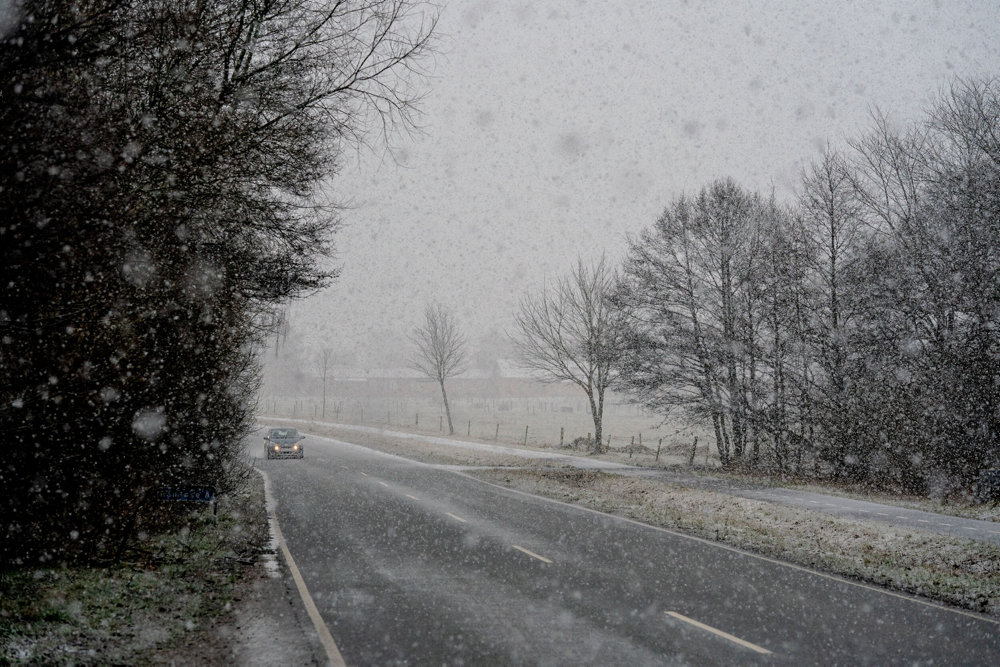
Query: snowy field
point(548, 422)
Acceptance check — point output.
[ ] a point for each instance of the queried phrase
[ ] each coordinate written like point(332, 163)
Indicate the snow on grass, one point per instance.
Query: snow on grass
point(168, 587)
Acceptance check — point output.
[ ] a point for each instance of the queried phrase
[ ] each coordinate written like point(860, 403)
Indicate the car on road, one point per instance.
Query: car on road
point(283, 442)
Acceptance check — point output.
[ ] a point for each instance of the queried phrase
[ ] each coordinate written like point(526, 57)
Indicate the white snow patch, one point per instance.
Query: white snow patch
point(270, 556)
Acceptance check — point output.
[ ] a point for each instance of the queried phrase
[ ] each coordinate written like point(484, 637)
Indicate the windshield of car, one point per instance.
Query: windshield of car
point(284, 433)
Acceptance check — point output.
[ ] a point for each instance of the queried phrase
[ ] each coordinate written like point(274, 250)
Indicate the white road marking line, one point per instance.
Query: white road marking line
point(922, 521)
point(944, 524)
point(724, 635)
point(968, 527)
point(815, 502)
point(532, 554)
point(716, 545)
point(456, 518)
point(900, 517)
point(881, 513)
point(383, 484)
point(365, 474)
point(412, 497)
point(325, 639)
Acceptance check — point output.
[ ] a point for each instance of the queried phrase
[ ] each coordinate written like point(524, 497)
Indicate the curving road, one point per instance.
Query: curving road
point(410, 563)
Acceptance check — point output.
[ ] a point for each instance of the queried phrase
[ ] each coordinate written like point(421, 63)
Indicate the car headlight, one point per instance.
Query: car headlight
point(295, 447)
point(276, 448)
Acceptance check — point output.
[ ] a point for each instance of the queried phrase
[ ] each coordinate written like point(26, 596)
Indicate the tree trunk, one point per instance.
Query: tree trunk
point(447, 410)
point(597, 411)
point(721, 443)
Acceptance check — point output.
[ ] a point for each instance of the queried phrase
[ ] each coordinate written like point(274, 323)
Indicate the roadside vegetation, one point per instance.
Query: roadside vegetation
point(850, 335)
point(165, 176)
point(170, 587)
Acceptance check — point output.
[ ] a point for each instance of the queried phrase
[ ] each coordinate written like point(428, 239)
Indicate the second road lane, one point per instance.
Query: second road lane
point(410, 563)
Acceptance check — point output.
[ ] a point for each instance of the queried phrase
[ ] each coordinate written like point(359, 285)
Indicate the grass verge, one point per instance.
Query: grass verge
point(957, 571)
point(170, 586)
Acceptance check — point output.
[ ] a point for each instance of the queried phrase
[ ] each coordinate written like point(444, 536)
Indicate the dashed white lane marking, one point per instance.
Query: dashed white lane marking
point(815, 502)
point(412, 497)
point(881, 513)
point(532, 554)
point(922, 521)
point(365, 474)
point(713, 544)
point(944, 524)
point(720, 633)
point(900, 517)
point(456, 518)
point(383, 484)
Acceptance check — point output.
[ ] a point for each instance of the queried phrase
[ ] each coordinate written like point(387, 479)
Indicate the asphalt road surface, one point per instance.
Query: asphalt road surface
point(416, 564)
point(974, 529)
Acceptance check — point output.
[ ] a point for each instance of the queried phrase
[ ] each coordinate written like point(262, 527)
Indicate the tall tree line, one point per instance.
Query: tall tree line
point(853, 335)
point(160, 186)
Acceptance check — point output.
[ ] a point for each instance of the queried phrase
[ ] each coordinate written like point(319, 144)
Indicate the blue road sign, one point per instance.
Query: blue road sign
point(200, 494)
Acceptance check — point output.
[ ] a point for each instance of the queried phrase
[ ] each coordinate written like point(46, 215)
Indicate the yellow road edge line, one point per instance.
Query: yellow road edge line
point(456, 518)
point(716, 631)
point(325, 638)
point(532, 554)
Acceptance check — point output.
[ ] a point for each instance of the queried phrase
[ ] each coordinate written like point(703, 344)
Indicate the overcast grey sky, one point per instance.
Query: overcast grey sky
point(554, 129)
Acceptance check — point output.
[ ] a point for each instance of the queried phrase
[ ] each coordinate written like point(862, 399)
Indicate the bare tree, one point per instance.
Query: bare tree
point(572, 333)
point(693, 290)
point(440, 352)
